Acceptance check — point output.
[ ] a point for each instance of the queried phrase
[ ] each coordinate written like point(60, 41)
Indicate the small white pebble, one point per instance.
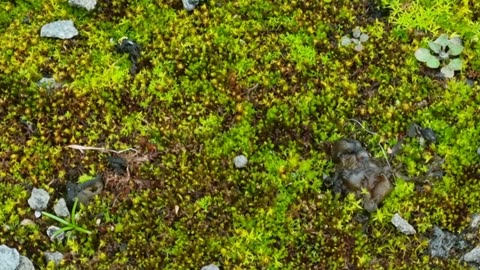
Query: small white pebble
point(402, 225)
point(240, 161)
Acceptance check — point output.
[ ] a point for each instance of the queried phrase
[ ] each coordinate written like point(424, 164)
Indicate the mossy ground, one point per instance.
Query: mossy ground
point(266, 79)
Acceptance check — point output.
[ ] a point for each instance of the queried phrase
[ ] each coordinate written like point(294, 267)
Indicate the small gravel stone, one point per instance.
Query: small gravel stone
point(9, 258)
point(473, 255)
point(240, 161)
point(51, 231)
point(61, 208)
point(210, 267)
point(25, 264)
point(190, 5)
point(441, 243)
point(53, 256)
point(63, 29)
point(87, 4)
point(402, 225)
point(39, 199)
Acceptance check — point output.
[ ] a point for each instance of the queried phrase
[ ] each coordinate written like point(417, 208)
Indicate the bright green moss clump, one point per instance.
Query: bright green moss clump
point(265, 79)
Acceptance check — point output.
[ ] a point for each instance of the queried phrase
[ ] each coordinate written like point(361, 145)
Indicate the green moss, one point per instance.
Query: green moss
point(266, 79)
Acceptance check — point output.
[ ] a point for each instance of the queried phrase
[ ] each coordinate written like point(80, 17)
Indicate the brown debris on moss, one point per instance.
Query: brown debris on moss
point(356, 172)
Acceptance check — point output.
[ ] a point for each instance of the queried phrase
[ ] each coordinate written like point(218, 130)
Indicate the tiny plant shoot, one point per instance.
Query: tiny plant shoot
point(69, 225)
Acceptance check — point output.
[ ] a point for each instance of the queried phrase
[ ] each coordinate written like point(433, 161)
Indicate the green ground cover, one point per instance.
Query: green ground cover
point(266, 79)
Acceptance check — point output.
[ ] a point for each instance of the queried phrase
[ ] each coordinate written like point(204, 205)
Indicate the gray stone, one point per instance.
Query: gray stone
point(25, 264)
point(475, 221)
point(63, 29)
point(472, 256)
point(87, 4)
point(441, 243)
point(240, 161)
point(56, 257)
point(210, 267)
point(51, 231)
point(61, 208)
point(39, 199)
point(478, 150)
point(402, 225)
point(9, 258)
point(190, 5)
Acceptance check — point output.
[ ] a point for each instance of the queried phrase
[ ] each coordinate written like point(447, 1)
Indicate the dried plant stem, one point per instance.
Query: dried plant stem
point(81, 148)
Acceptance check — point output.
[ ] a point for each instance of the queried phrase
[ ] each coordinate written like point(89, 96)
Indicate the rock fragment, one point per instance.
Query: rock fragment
point(25, 264)
point(441, 243)
point(190, 5)
point(473, 256)
point(240, 161)
point(38, 200)
point(210, 267)
point(84, 191)
point(51, 233)
point(86, 4)
point(9, 258)
point(56, 256)
point(63, 29)
point(61, 208)
point(402, 225)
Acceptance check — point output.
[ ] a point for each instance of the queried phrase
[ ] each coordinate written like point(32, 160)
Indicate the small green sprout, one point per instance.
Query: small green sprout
point(69, 225)
point(443, 49)
point(357, 39)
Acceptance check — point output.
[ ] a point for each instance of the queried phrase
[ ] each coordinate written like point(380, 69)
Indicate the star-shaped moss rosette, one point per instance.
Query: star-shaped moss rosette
point(443, 50)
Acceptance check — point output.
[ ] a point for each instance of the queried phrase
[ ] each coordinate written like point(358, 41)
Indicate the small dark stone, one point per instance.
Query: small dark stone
point(84, 191)
point(130, 47)
point(118, 164)
point(133, 49)
point(428, 135)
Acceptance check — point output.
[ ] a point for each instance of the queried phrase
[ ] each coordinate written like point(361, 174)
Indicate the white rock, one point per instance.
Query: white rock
point(39, 199)
point(87, 4)
point(473, 255)
point(61, 208)
point(63, 29)
point(9, 258)
point(54, 256)
point(240, 161)
point(27, 222)
point(402, 225)
point(190, 5)
point(210, 267)
point(25, 264)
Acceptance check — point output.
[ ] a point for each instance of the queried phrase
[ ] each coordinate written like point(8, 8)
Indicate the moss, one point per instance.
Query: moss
point(266, 79)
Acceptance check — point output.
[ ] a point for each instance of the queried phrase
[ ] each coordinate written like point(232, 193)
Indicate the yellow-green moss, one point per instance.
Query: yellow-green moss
point(266, 79)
